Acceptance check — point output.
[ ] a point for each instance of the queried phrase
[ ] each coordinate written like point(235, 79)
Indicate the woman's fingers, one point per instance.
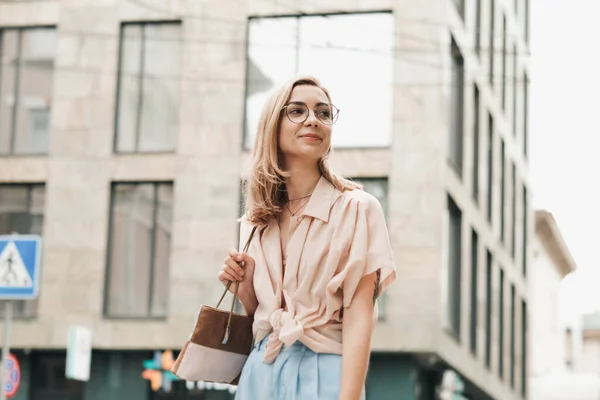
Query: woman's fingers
point(225, 276)
point(234, 269)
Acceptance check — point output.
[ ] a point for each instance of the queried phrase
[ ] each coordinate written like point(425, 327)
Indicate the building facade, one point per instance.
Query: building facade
point(125, 128)
point(556, 350)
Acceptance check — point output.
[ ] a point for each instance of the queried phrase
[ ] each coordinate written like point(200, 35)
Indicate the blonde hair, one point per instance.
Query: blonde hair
point(265, 189)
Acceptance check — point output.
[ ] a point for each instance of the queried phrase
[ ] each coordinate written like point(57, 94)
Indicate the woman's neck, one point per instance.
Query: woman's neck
point(301, 182)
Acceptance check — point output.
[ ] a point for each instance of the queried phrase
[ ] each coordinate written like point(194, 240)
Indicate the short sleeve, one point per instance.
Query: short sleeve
point(370, 250)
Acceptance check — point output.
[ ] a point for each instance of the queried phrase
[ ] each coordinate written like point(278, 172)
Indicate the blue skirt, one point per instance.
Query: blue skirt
point(298, 373)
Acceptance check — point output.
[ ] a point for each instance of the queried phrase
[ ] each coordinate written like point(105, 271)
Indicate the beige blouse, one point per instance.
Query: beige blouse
point(338, 238)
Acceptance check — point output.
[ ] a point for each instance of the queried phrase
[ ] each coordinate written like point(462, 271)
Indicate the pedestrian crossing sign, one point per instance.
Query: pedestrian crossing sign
point(19, 266)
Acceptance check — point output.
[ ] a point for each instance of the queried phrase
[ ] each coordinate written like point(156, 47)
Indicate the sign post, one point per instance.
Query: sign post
point(19, 280)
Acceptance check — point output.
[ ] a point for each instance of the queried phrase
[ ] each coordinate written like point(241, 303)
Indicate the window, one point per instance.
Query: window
point(26, 80)
point(501, 326)
point(476, 146)
point(48, 379)
point(455, 145)
point(474, 280)
point(504, 58)
point(526, 20)
point(492, 47)
point(502, 190)
point(378, 187)
point(515, 92)
point(525, 114)
point(333, 49)
point(453, 269)
point(139, 249)
point(478, 29)
point(525, 234)
point(512, 335)
point(147, 117)
point(22, 212)
point(490, 160)
point(513, 209)
point(488, 310)
point(524, 349)
point(460, 7)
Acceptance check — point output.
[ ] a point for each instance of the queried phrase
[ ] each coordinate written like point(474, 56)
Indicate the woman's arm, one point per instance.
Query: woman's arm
point(357, 326)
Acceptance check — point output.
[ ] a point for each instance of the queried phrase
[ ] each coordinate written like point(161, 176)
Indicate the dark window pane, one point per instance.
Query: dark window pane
point(140, 249)
point(474, 286)
point(455, 145)
point(488, 309)
point(501, 325)
point(491, 49)
point(502, 190)
point(512, 335)
point(475, 177)
point(454, 261)
point(490, 177)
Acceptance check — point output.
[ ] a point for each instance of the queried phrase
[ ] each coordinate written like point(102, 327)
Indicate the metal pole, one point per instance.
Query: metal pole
point(8, 311)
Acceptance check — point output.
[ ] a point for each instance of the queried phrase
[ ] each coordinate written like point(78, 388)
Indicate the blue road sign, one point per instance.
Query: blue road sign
point(19, 266)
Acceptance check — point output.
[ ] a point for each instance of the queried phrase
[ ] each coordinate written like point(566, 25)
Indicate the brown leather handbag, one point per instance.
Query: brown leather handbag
point(220, 343)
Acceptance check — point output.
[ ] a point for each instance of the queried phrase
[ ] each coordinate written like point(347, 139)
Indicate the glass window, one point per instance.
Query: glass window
point(331, 48)
point(48, 378)
point(492, 49)
point(504, 62)
point(524, 228)
point(453, 267)
point(513, 210)
point(502, 190)
point(478, 27)
point(460, 7)
point(474, 285)
point(455, 145)
point(501, 325)
point(488, 309)
point(22, 212)
point(26, 82)
point(149, 88)
point(524, 348)
point(140, 245)
point(512, 347)
point(476, 156)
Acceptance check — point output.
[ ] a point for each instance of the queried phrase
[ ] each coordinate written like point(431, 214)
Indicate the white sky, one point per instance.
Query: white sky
point(565, 139)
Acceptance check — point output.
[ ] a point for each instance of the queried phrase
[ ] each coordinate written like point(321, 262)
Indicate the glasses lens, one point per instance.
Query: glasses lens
point(297, 113)
point(327, 114)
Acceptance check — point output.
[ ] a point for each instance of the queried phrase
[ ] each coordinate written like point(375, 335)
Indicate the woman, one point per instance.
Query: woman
point(320, 257)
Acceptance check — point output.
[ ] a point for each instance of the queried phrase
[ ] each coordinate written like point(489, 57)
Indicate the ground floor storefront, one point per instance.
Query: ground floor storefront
point(125, 375)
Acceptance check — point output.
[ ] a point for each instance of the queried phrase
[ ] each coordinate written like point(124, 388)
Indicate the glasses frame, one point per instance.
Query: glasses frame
point(334, 109)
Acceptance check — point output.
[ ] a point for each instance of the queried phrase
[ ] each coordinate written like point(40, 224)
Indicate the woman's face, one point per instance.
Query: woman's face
point(302, 134)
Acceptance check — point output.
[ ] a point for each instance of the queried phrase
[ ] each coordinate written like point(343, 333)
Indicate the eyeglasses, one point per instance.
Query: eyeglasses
point(298, 112)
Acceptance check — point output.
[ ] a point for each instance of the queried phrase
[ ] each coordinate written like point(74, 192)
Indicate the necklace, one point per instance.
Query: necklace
point(299, 208)
point(300, 198)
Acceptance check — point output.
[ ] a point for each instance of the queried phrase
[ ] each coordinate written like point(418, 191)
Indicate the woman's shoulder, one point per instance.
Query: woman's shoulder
point(360, 197)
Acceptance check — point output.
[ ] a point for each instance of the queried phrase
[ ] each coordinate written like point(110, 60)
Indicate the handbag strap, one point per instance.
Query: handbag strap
point(235, 294)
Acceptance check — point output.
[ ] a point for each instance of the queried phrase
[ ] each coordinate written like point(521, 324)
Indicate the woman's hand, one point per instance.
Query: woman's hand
point(239, 267)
